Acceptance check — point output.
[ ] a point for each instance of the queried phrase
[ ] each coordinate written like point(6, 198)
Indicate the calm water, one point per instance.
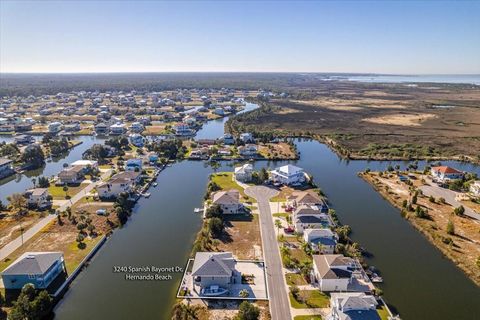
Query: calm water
point(21, 182)
point(419, 282)
point(462, 78)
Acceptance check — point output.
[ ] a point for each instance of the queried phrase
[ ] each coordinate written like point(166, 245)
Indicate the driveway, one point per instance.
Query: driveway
point(18, 242)
point(449, 196)
point(277, 292)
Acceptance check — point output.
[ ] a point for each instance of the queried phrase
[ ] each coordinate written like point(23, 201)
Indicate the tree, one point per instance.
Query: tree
point(215, 226)
point(278, 224)
point(450, 228)
point(459, 211)
point(295, 291)
point(17, 202)
point(30, 305)
point(33, 156)
point(182, 311)
point(263, 175)
point(65, 189)
point(247, 311)
point(43, 182)
point(34, 182)
point(2, 206)
point(431, 199)
point(214, 211)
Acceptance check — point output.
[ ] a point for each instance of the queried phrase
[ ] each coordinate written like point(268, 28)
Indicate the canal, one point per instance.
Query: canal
point(419, 281)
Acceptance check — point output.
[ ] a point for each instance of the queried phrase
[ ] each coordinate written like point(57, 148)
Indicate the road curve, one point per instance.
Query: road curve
point(277, 292)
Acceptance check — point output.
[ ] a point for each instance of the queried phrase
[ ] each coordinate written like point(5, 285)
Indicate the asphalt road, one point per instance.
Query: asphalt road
point(277, 292)
point(18, 242)
point(449, 196)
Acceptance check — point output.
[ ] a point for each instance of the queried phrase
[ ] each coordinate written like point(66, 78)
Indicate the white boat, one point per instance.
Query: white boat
point(146, 195)
point(198, 210)
point(376, 278)
point(155, 184)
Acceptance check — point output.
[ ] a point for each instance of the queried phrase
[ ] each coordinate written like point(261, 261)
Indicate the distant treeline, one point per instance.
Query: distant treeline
point(38, 84)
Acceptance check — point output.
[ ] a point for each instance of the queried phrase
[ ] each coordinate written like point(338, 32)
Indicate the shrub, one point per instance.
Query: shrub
point(450, 228)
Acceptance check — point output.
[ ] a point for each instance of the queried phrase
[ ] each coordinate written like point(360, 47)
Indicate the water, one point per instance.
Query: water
point(419, 281)
point(457, 79)
point(21, 182)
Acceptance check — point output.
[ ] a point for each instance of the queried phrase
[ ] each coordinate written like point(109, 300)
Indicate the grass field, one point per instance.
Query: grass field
point(310, 299)
point(225, 181)
point(316, 317)
point(295, 279)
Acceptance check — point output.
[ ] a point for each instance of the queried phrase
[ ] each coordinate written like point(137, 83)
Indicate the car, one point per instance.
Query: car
point(101, 212)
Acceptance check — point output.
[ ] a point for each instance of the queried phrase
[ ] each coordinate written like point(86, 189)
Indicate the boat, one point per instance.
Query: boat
point(198, 210)
point(146, 195)
point(155, 184)
point(213, 291)
point(376, 278)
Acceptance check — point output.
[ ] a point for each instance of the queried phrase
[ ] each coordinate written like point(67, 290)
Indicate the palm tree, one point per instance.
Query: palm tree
point(17, 202)
point(278, 224)
point(34, 181)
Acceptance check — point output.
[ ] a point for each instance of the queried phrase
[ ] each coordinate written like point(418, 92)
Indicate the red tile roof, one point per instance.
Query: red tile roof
point(445, 169)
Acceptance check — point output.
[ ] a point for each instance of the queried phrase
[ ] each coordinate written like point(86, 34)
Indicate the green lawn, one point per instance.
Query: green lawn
point(295, 279)
point(307, 318)
point(313, 299)
point(58, 194)
point(300, 255)
point(225, 182)
point(281, 215)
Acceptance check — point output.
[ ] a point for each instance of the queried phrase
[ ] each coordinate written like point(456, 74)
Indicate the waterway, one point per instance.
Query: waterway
point(21, 182)
point(419, 281)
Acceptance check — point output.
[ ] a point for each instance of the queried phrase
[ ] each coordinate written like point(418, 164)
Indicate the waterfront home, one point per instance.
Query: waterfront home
point(102, 128)
point(37, 268)
point(199, 153)
point(228, 139)
point(333, 272)
point(247, 137)
point(249, 150)
point(219, 111)
point(136, 139)
point(213, 272)
point(85, 165)
point(224, 152)
point(353, 306)
point(117, 129)
point(445, 173)
point(475, 188)
point(38, 198)
point(288, 175)
point(308, 197)
point(6, 168)
point(244, 173)
point(137, 127)
point(23, 127)
point(133, 165)
point(182, 129)
point(118, 183)
point(24, 139)
point(229, 201)
point(71, 175)
point(310, 217)
point(55, 127)
point(321, 240)
point(72, 127)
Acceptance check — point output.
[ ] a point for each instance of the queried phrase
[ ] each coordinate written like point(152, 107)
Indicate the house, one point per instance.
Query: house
point(475, 188)
point(219, 111)
point(136, 139)
point(137, 127)
point(249, 150)
point(445, 173)
point(228, 139)
point(117, 129)
point(133, 165)
point(321, 240)
point(244, 173)
point(333, 272)
point(55, 127)
point(353, 306)
point(72, 127)
point(199, 153)
point(71, 175)
point(182, 129)
point(37, 268)
point(24, 139)
point(38, 198)
point(310, 217)
point(6, 168)
point(119, 183)
point(247, 137)
point(85, 165)
point(288, 175)
point(229, 201)
point(308, 198)
point(102, 128)
point(23, 127)
point(213, 271)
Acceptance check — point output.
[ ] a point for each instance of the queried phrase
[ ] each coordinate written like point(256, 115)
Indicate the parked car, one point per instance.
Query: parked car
point(289, 229)
point(101, 212)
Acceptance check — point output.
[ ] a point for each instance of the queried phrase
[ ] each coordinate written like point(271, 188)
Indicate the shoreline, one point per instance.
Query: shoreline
point(469, 273)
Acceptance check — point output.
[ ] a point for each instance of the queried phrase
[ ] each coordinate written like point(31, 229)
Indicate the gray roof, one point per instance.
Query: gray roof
point(213, 264)
point(355, 306)
point(310, 219)
point(33, 263)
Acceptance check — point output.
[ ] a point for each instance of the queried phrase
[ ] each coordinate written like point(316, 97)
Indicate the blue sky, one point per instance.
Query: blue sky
point(406, 37)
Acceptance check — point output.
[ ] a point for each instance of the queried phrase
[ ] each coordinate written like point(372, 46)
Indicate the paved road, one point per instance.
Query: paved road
point(277, 292)
point(449, 196)
point(17, 243)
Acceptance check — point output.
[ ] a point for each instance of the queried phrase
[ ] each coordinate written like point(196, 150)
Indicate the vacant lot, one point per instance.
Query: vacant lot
point(242, 237)
point(377, 120)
